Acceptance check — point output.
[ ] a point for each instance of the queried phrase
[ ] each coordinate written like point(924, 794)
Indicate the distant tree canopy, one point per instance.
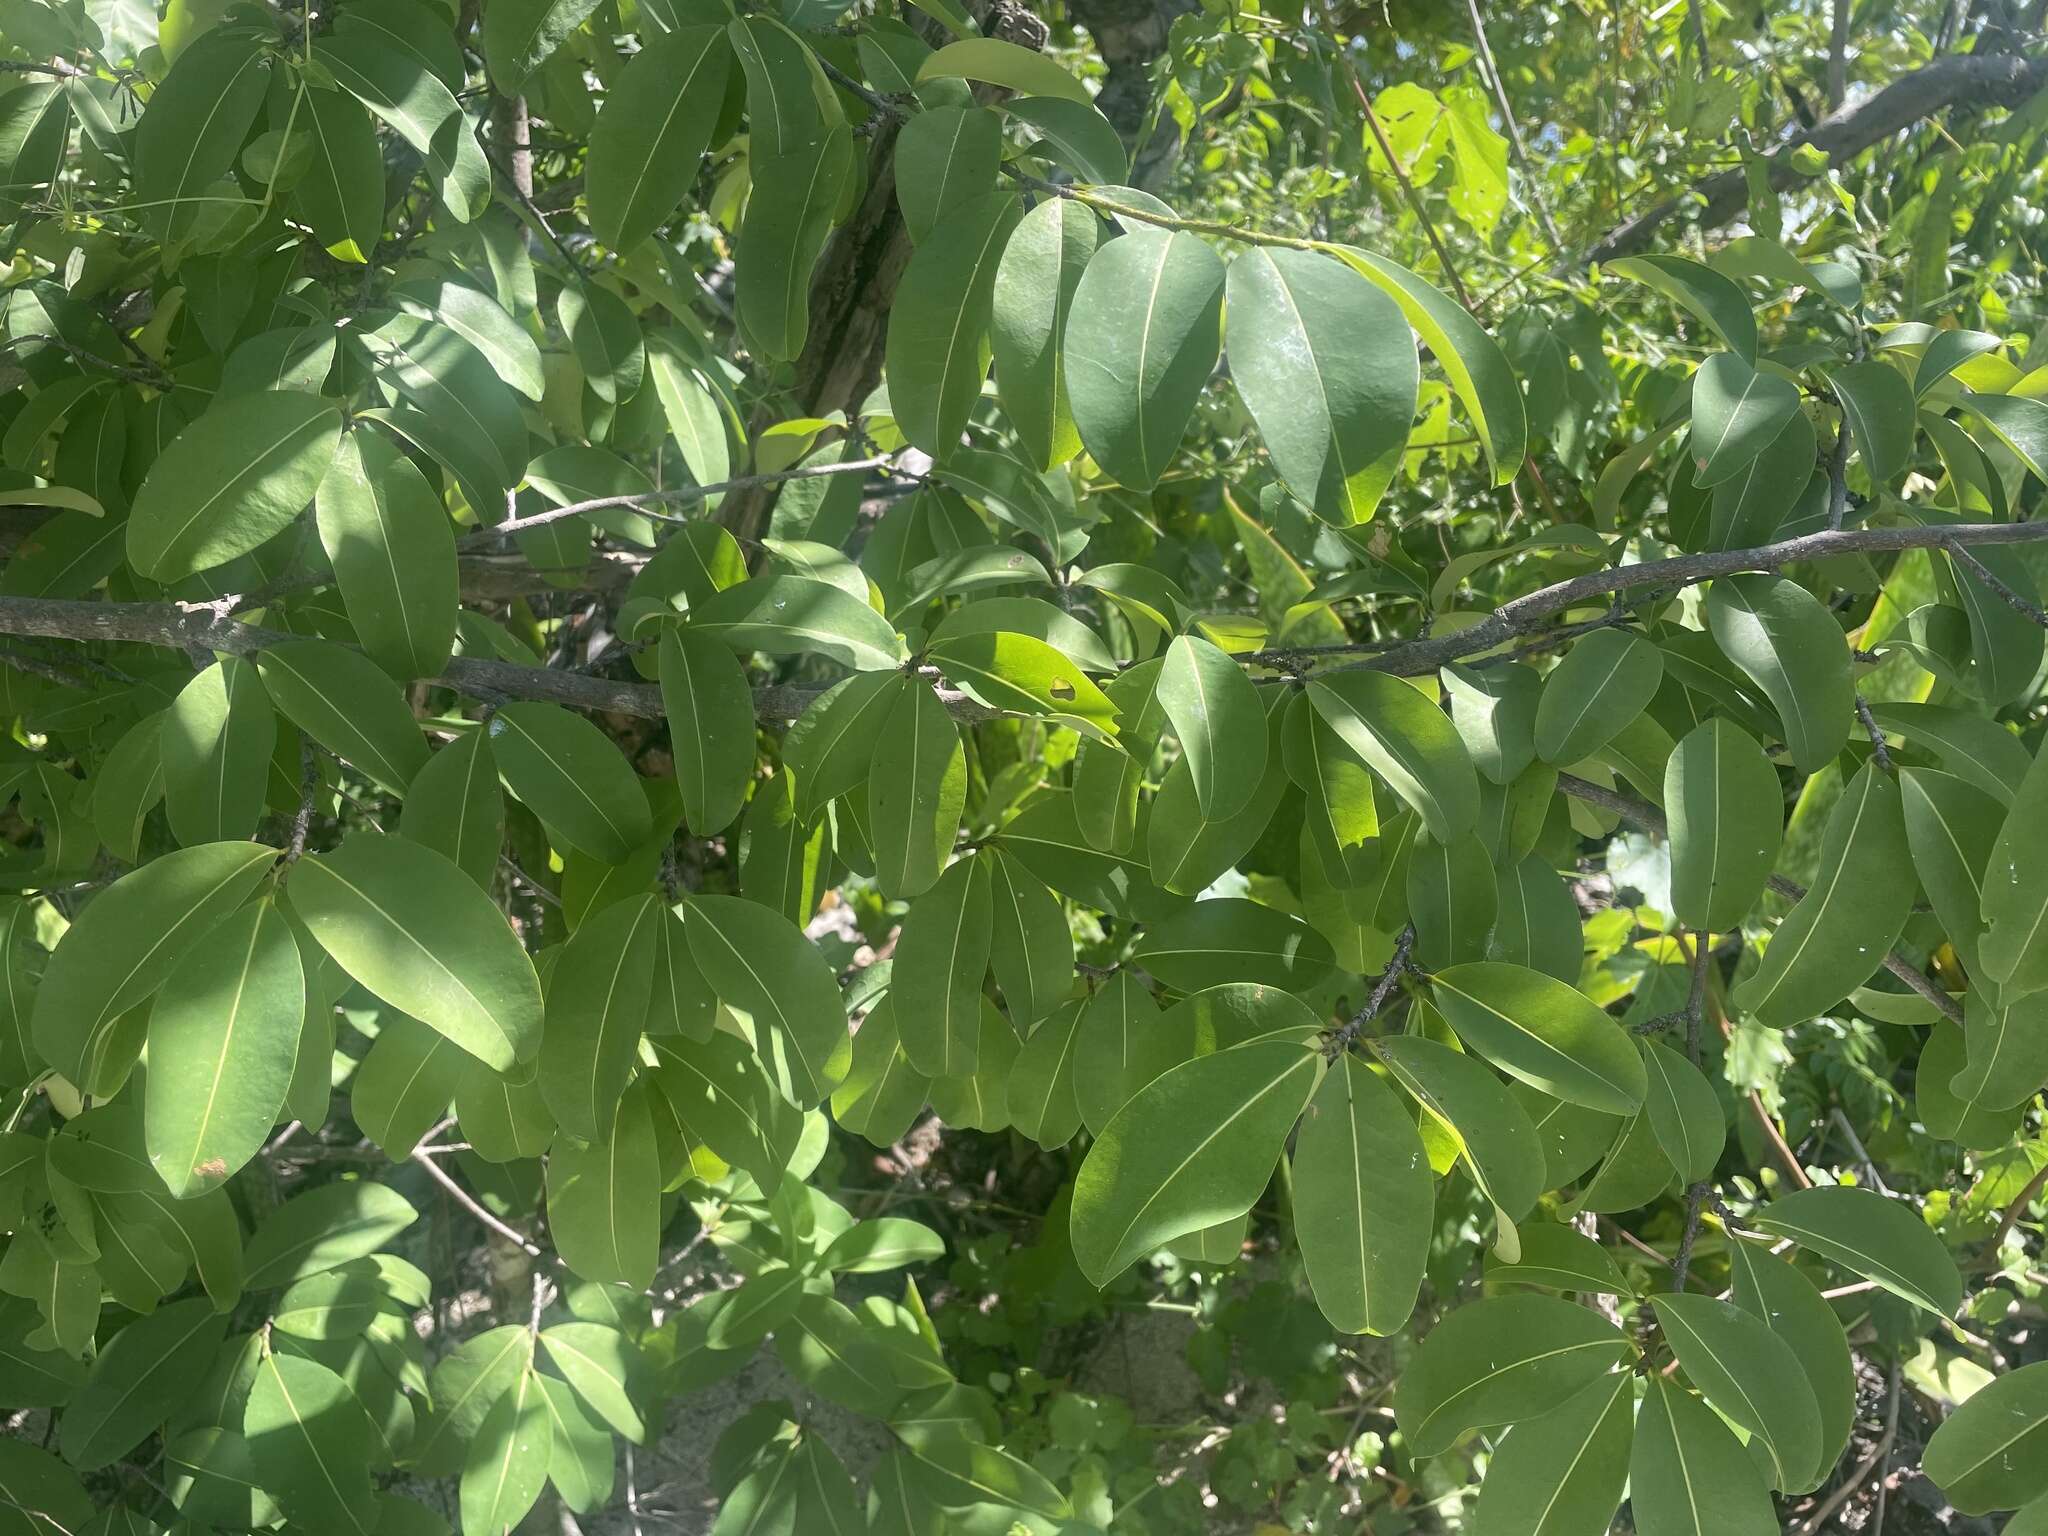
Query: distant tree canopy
point(813, 709)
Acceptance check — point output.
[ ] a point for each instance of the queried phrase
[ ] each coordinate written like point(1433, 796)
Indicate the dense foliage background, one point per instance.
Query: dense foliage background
point(1146, 767)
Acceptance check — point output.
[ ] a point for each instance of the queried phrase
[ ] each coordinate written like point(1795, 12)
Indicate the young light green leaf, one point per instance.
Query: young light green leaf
point(1192, 1148)
point(995, 62)
point(1363, 1201)
point(412, 928)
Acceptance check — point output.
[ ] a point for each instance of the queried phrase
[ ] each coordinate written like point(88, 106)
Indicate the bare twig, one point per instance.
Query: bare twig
point(1382, 989)
point(469, 1203)
point(1838, 476)
point(2018, 1208)
point(2018, 601)
point(1878, 749)
point(682, 495)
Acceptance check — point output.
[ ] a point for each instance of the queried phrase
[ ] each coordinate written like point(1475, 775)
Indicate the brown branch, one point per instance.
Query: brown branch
point(1978, 79)
point(2011, 596)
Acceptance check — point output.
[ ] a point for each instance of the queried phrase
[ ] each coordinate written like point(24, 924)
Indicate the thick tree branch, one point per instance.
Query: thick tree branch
point(1960, 78)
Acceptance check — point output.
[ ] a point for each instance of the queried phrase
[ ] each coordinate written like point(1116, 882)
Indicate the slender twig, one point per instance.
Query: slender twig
point(2018, 1208)
point(309, 790)
point(1390, 978)
point(682, 495)
point(156, 378)
point(1878, 749)
point(1856, 1479)
point(1531, 183)
point(1862, 1152)
point(469, 1203)
point(2018, 601)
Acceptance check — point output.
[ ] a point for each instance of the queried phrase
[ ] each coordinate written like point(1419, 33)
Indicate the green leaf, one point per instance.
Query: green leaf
point(1874, 1237)
point(393, 552)
point(342, 700)
point(2006, 1044)
point(341, 195)
point(604, 1198)
point(412, 928)
point(797, 193)
point(1486, 1124)
point(710, 707)
point(1217, 717)
point(1325, 365)
point(127, 788)
point(942, 956)
point(658, 118)
point(1230, 939)
point(1543, 1031)
point(323, 1228)
point(127, 940)
point(1035, 282)
point(1039, 1089)
point(1988, 1453)
point(1787, 643)
point(139, 1377)
point(580, 1450)
point(1737, 412)
point(234, 478)
point(761, 964)
point(1564, 1473)
point(1559, 1258)
point(197, 119)
point(1689, 1476)
point(1077, 135)
point(1757, 503)
point(938, 348)
point(215, 746)
point(1537, 923)
point(995, 62)
point(946, 158)
point(1142, 337)
point(2021, 423)
point(1951, 828)
point(1604, 683)
point(1025, 675)
point(484, 323)
point(420, 108)
point(2015, 898)
point(1030, 944)
point(42, 1496)
point(885, 1243)
point(1754, 1379)
point(1727, 822)
point(799, 616)
point(1404, 738)
point(1120, 1048)
point(570, 774)
point(1684, 1111)
point(1494, 711)
point(605, 1369)
point(1453, 899)
point(1194, 1147)
point(1471, 359)
point(1700, 290)
point(455, 807)
point(1879, 412)
point(466, 1382)
point(311, 1444)
point(1968, 745)
point(1364, 1201)
point(223, 1036)
point(1499, 1361)
point(507, 1464)
point(917, 791)
point(1838, 933)
point(882, 1093)
point(519, 36)
point(1769, 1288)
point(596, 1004)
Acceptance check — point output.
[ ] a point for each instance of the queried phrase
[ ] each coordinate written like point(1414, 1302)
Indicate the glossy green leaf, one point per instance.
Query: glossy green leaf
point(215, 746)
point(997, 62)
point(1494, 710)
point(342, 700)
point(1684, 1111)
point(311, 1444)
point(1543, 1031)
point(1873, 1236)
point(604, 1198)
point(1705, 293)
point(137, 1380)
point(797, 192)
point(1987, 1454)
point(1769, 1288)
point(1039, 1094)
point(1040, 268)
point(1752, 1376)
point(942, 957)
point(518, 37)
point(454, 806)
point(507, 1464)
point(1689, 1476)
point(1840, 930)
point(412, 928)
point(1562, 1474)
point(1737, 412)
point(1326, 366)
point(1878, 410)
point(2015, 893)
point(570, 775)
point(1559, 1258)
point(1786, 642)
point(658, 118)
point(230, 481)
point(1144, 1183)
point(763, 965)
point(710, 708)
point(1363, 1201)
point(223, 1037)
point(1229, 939)
point(1500, 1361)
point(1727, 820)
point(596, 1004)
point(917, 791)
point(1216, 716)
point(1489, 1128)
point(1603, 684)
point(938, 347)
point(393, 552)
point(1406, 740)
point(1142, 337)
point(794, 616)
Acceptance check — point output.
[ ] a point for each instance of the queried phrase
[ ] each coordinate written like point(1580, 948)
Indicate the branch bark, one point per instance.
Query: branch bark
point(1974, 78)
